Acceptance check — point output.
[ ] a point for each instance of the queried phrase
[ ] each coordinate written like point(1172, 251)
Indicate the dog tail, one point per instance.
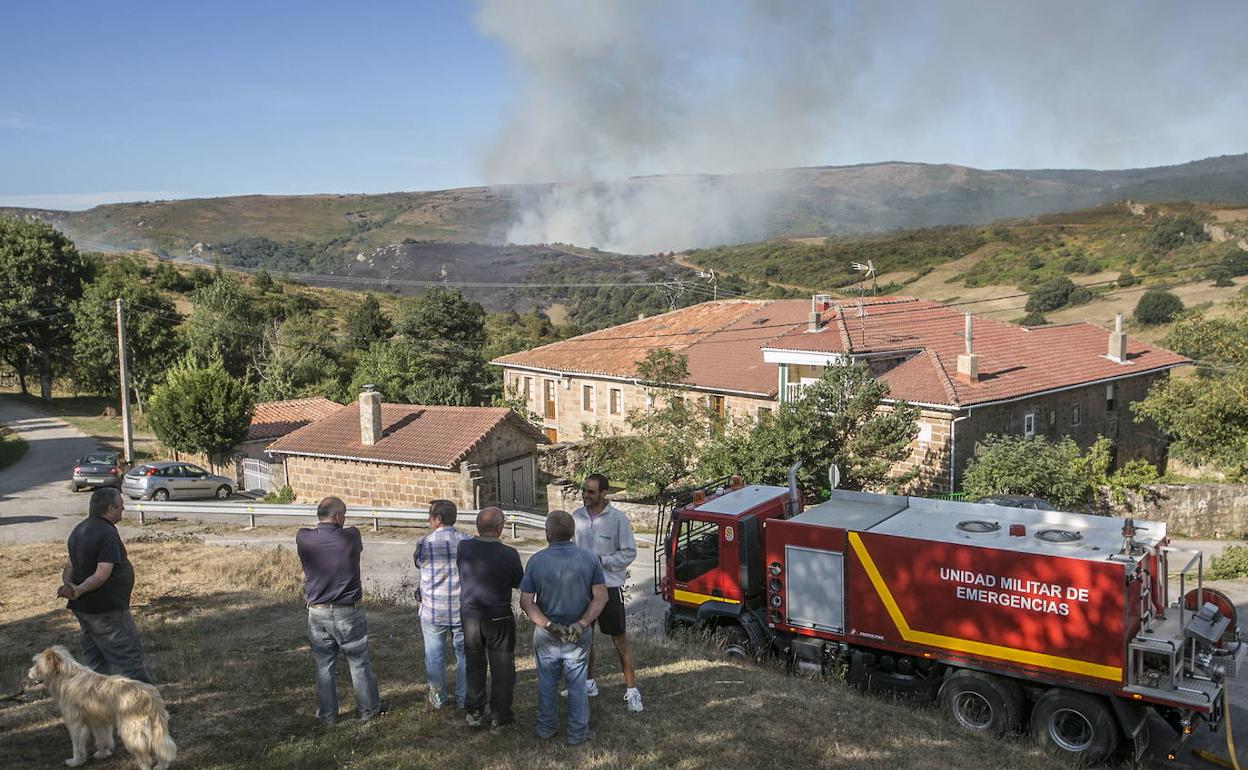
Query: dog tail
point(162, 747)
point(152, 740)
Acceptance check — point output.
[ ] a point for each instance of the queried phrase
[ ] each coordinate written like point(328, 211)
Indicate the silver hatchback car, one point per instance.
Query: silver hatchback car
point(168, 480)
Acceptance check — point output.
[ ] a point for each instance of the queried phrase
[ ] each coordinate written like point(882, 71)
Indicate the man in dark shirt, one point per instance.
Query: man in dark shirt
point(488, 571)
point(97, 581)
point(331, 586)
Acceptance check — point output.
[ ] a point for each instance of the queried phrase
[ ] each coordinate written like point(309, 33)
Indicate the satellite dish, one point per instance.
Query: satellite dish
point(834, 476)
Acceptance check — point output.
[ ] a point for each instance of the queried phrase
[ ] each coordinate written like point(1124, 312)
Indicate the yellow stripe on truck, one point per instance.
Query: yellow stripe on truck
point(692, 598)
point(1013, 654)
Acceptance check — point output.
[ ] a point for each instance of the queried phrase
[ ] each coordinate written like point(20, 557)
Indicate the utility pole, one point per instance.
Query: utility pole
point(124, 370)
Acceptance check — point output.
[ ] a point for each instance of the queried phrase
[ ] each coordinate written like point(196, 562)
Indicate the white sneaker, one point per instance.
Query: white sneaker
point(591, 689)
point(633, 699)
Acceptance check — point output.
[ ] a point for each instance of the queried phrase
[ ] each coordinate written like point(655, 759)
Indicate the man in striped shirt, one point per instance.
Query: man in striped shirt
point(438, 595)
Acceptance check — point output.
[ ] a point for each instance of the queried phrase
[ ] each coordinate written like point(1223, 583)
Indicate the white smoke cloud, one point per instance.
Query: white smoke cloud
point(617, 88)
point(613, 89)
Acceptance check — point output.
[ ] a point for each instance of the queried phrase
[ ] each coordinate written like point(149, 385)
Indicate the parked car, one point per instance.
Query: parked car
point(1018, 501)
point(96, 469)
point(168, 480)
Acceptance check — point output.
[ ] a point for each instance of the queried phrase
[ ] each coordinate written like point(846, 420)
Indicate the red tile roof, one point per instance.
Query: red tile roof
point(1014, 361)
point(272, 419)
point(427, 436)
point(723, 342)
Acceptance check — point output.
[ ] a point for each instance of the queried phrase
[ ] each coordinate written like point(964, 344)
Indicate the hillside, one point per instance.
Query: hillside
point(327, 231)
point(1116, 251)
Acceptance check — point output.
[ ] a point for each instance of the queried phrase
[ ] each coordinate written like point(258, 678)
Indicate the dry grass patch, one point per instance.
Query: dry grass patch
point(224, 631)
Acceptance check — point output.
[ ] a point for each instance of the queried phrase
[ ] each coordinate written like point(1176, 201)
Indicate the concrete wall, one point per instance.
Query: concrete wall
point(1192, 510)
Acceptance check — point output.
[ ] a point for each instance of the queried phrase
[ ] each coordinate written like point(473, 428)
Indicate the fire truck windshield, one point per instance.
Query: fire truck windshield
point(697, 549)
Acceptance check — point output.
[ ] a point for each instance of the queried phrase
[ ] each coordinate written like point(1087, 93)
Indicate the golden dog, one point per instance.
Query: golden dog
point(95, 704)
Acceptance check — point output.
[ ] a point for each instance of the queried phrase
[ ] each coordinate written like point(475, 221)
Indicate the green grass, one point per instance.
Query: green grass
point(12, 447)
point(224, 633)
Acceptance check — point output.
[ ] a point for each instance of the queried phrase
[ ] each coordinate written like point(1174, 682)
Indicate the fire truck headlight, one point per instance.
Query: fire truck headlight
point(776, 585)
point(777, 600)
point(776, 568)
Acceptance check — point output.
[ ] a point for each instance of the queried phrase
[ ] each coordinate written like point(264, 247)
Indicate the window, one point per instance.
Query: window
point(1076, 418)
point(616, 405)
point(548, 390)
point(1029, 424)
point(764, 411)
point(1109, 397)
point(552, 435)
point(1052, 418)
point(716, 404)
point(528, 388)
point(925, 433)
point(697, 549)
point(587, 398)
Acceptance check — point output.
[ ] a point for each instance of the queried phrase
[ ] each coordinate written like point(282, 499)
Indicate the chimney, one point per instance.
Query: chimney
point(968, 362)
point(370, 416)
point(1117, 343)
point(816, 315)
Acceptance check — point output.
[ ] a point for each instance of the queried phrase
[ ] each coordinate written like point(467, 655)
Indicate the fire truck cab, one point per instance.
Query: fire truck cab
point(1011, 618)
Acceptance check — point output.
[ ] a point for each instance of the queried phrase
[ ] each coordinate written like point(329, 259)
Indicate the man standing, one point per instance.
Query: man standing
point(98, 581)
point(488, 571)
point(603, 530)
point(562, 592)
point(331, 586)
point(438, 595)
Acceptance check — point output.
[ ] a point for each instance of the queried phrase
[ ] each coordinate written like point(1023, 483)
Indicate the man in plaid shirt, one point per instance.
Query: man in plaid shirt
point(438, 596)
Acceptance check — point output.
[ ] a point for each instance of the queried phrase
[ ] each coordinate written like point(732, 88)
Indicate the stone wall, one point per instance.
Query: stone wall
point(358, 483)
point(574, 407)
point(1192, 510)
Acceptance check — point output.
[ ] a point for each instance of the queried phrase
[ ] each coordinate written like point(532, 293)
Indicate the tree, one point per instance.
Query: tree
point(1056, 471)
point(299, 359)
point(367, 323)
point(41, 273)
point(167, 277)
point(261, 281)
point(222, 325)
point(841, 419)
point(1158, 306)
point(437, 359)
point(1127, 279)
point(1050, 295)
point(1172, 232)
point(152, 343)
point(200, 408)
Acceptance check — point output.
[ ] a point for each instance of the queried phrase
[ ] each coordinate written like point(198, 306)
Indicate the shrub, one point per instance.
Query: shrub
point(1127, 278)
point(1056, 471)
point(1050, 295)
point(1173, 232)
point(1221, 275)
point(280, 497)
point(1230, 564)
point(1131, 477)
point(1158, 306)
point(1034, 318)
point(1080, 295)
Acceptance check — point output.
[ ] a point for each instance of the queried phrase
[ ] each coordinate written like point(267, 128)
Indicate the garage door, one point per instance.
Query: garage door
point(515, 483)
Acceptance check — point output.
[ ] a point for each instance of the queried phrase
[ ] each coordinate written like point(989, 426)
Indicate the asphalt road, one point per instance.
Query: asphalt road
point(37, 505)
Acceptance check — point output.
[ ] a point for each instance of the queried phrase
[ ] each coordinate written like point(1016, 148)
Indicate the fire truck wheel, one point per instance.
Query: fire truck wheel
point(735, 643)
point(1075, 726)
point(982, 702)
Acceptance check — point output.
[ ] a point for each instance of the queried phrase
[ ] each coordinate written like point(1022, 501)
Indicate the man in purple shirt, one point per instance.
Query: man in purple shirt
point(330, 555)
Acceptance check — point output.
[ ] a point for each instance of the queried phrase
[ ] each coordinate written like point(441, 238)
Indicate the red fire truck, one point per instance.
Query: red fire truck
point(1007, 616)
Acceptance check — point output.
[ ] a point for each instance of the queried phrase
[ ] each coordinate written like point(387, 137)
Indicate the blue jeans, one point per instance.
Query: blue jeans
point(555, 658)
point(435, 660)
point(331, 629)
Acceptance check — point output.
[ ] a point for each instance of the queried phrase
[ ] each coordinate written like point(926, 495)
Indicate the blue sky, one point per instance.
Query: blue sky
point(140, 100)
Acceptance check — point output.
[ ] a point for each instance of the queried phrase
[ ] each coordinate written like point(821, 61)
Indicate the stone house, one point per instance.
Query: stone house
point(405, 455)
point(970, 376)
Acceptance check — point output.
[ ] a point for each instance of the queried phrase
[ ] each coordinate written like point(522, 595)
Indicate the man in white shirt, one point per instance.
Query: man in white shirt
point(603, 530)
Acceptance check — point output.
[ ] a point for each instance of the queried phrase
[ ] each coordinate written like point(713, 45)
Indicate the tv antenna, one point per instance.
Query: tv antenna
point(709, 275)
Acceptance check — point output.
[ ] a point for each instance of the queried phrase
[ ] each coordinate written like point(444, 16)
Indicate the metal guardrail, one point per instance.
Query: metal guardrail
point(251, 510)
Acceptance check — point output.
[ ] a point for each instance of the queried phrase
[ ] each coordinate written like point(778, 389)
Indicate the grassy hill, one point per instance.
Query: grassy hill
point(1116, 250)
point(329, 230)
